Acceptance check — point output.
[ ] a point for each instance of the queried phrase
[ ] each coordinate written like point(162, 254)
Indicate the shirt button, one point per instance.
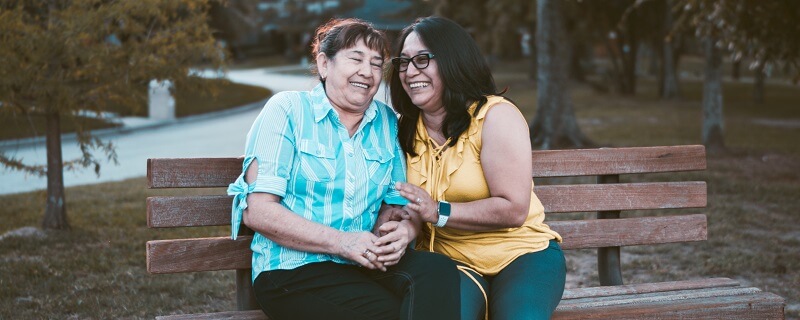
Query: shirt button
point(350, 154)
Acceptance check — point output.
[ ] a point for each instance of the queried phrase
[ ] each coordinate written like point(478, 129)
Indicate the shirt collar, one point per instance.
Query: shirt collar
point(322, 106)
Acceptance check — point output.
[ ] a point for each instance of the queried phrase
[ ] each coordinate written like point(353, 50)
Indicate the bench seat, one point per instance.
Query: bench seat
point(716, 298)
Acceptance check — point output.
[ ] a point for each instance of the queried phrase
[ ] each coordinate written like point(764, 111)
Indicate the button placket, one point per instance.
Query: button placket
point(349, 185)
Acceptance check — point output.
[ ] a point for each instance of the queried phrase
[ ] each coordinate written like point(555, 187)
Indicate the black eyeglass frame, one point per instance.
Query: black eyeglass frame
point(397, 61)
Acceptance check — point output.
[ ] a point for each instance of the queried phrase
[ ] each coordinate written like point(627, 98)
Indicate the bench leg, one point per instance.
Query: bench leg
point(245, 296)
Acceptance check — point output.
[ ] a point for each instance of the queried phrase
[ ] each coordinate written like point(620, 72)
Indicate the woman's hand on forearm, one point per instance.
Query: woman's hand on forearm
point(420, 202)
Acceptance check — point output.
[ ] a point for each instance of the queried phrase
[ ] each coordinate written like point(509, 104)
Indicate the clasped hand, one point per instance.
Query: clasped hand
point(385, 246)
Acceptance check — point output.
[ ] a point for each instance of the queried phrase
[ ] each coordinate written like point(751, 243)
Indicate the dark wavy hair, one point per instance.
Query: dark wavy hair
point(338, 34)
point(465, 75)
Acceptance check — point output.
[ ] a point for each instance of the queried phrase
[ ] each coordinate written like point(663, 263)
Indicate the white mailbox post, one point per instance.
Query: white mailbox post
point(161, 103)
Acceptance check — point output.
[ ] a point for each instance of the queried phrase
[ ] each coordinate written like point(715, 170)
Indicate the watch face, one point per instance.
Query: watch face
point(444, 208)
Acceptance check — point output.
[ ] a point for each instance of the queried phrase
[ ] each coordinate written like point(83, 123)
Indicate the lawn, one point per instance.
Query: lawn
point(97, 270)
point(187, 103)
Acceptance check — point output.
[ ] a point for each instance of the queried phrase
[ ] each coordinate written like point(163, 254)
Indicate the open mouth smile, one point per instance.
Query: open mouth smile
point(360, 85)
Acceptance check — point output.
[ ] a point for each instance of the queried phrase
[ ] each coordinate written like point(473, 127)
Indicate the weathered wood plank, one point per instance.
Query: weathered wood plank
point(230, 315)
point(190, 211)
point(222, 253)
point(649, 297)
point(714, 303)
point(581, 234)
point(219, 172)
point(622, 196)
point(202, 254)
point(192, 172)
point(640, 288)
point(590, 162)
point(194, 211)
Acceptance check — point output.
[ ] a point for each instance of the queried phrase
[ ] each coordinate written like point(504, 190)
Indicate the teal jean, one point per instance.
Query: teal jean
point(529, 288)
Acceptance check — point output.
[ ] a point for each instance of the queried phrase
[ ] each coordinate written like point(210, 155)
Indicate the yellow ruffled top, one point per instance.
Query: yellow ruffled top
point(455, 174)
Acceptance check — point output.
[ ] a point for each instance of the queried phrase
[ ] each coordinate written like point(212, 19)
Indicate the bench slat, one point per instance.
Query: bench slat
point(222, 253)
point(192, 172)
point(229, 315)
point(638, 288)
point(705, 303)
point(622, 196)
point(195, 211)
point(200, 254)
point(582, 234)
point(189, 211)
point(590, 162)
point(219, 172)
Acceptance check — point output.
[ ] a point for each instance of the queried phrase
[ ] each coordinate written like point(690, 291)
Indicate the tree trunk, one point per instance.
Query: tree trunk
point(55, 213)
point(554, 125)
point(736, 69)
point(712, 98)
point(577, 52)
point(670, 89)
point(531, 57)
point(758, 84)
point(629, 55)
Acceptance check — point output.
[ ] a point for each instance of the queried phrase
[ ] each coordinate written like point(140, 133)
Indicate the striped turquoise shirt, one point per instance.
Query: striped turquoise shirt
point(306, 156)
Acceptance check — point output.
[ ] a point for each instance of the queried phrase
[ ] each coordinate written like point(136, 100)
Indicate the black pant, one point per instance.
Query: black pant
point(423, 285)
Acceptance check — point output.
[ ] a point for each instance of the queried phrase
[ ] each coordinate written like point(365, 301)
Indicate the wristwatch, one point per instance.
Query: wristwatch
point(444, 213)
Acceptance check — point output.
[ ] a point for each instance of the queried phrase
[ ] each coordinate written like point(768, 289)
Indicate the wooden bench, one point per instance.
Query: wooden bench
point(720, 298)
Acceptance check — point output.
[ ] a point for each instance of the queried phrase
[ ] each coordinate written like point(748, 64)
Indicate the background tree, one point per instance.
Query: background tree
point(63, 57)
point(765, 31)
point(497, 25)
point(669, 45)
point(604, 20)
point(233, 22)
point(554, 125)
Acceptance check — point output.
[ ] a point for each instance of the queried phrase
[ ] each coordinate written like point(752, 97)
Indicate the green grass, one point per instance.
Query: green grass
point(33, 125)
point(187, 103)
point(97, 270)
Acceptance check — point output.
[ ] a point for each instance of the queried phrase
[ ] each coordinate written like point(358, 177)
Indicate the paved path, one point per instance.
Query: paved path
point(220, 135)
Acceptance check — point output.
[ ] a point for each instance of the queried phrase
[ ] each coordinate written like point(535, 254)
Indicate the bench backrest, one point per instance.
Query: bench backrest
point(607, 197)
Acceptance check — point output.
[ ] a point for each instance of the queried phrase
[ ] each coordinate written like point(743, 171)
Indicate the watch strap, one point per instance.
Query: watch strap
point(442, 221)
point(443, 210)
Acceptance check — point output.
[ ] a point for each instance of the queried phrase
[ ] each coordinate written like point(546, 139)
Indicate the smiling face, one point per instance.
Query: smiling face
point(352, 77)
point(424, 86)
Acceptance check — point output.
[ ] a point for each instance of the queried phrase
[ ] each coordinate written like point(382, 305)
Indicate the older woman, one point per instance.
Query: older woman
point(469, 175)
point(317, 170)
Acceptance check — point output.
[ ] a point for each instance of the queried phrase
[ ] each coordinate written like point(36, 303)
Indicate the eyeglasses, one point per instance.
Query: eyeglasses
point(420, 61)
